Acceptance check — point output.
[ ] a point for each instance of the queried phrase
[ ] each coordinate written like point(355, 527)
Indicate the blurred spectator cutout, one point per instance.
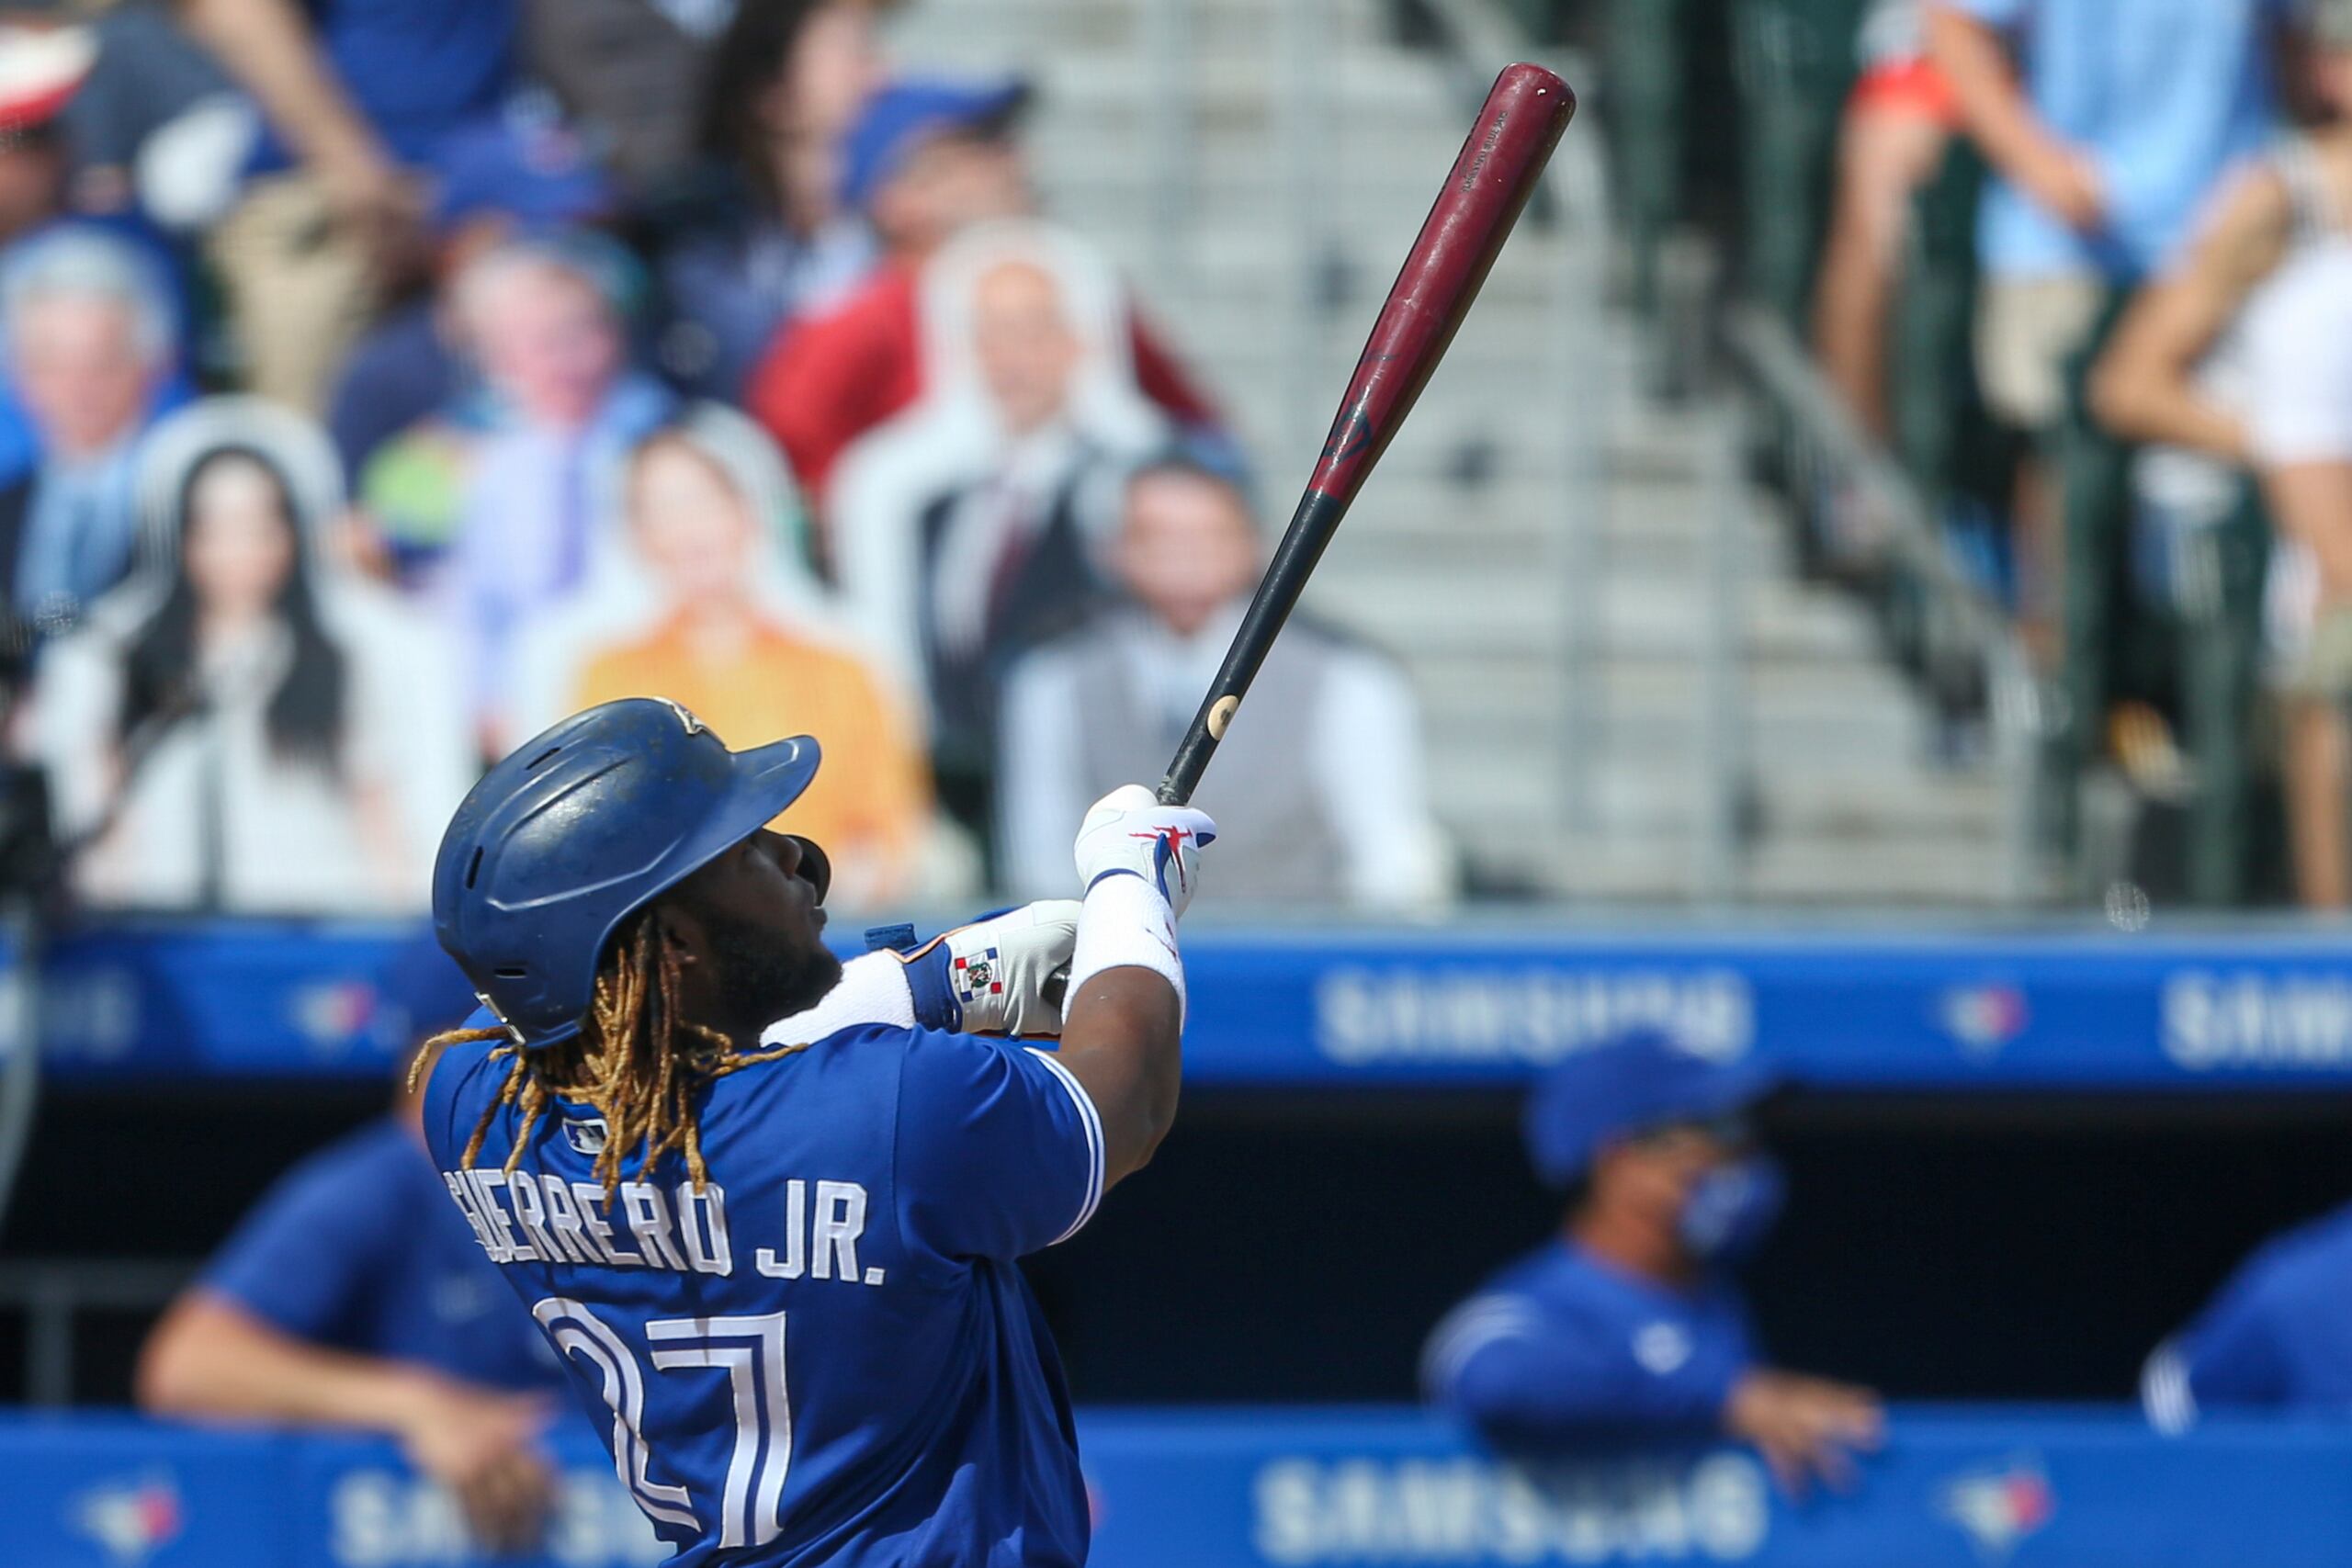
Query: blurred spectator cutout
point(2275, 1340)
point(925, 160)
point(361, 99)
point(354, 1295)
point(240, 728)
point(504, 488)
point(2239, 361)
point(1318, 786)
point(158, 131)
point(1628, 1327)
point(775, 240)
point(1900, 117)
point(502, 181)
point(90, 347)
point(705, 601)
point(634, 74)
point(41, 69)
point(966, 529)
point(2106, 141)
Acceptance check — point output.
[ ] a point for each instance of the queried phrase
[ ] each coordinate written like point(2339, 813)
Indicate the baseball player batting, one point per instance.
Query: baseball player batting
point(767, 1206)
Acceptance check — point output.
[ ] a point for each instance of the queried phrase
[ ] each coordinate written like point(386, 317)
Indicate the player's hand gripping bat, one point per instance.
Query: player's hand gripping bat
point(1492, 178)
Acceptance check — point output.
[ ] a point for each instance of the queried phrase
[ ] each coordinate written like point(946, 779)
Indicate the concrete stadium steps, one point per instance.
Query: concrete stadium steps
point(1790, 871)
point(1568, 721)
point(1107, 35)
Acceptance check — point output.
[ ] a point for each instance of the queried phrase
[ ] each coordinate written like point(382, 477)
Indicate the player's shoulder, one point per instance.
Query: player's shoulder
point(938, 1060)
point(1562, 1284)
point(893, 1051)
point(378, 1144)
point(363, 1164)
point(2313, 1262)
point(926, 1075)
point(863, 1085)
point(845, 1064)
point(1519, 1290)
point(458, 1086)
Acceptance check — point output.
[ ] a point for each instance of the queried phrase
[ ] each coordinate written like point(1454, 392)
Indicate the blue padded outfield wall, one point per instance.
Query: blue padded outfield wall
point(2021, 1489)
point(1399, 1007)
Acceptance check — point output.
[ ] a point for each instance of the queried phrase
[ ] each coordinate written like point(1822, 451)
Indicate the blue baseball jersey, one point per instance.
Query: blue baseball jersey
point(1560, 1348)
point(828, 1354)
point(356, 1250)
point(2277, 1337)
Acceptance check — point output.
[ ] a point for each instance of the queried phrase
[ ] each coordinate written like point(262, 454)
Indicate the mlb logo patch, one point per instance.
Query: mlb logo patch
point(586, 1134)
point(981, 974)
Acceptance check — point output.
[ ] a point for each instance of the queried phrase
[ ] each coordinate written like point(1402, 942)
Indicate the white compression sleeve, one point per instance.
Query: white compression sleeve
point(1125, 924)
point(873, 989)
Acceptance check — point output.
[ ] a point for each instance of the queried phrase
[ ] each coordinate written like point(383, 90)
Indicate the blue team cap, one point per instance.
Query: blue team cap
point(1633, 1084)
point(539, 174)
point(896, 119)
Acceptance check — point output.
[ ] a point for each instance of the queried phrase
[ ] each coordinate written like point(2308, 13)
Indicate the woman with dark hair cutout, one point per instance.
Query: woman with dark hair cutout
point(229, 733)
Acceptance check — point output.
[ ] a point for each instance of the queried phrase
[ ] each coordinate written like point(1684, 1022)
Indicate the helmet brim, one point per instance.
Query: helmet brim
point(768, 779)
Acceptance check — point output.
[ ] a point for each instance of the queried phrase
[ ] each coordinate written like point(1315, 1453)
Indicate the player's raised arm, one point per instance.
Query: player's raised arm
point(1123, 1025)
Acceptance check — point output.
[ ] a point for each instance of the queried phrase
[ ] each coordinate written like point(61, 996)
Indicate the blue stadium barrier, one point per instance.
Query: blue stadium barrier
point(1336, 1006)
point(1969, 1489)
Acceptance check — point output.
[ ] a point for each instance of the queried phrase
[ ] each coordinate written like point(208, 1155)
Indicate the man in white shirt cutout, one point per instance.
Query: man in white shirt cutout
point(1321, 781)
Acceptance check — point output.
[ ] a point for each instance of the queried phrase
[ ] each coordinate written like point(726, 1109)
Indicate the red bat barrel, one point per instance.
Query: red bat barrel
point(1493, 176)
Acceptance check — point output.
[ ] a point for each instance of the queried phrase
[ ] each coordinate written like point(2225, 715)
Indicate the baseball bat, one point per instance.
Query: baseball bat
point(1492, 177)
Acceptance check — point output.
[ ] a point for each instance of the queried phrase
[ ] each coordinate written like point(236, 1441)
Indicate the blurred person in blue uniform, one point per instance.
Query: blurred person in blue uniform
point(354, 1295)
point(2276, 1339)
point(1628, 1327)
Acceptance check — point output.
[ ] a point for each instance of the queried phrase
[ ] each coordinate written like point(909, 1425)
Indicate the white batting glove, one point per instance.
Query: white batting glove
point(1129, 831)
point(996, 969)
point(984, 979)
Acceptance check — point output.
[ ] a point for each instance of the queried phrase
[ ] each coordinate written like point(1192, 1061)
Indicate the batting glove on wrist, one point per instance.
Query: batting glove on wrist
point(1129, 832)
point(988, 977)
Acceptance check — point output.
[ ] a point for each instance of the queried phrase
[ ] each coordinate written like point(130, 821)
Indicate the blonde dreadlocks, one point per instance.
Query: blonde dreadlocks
point(637, 1059)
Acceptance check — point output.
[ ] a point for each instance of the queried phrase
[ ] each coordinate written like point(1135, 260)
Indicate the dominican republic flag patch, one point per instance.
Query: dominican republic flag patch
point(977, 976)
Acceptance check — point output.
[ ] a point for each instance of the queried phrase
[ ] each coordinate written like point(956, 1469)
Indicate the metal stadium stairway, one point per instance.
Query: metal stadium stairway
point(1536, 545)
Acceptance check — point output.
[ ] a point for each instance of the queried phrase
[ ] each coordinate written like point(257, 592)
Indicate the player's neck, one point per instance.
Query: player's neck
point(1630, 1245)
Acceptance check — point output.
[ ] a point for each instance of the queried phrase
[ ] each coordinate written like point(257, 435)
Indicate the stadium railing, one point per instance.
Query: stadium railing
point(1961, 638)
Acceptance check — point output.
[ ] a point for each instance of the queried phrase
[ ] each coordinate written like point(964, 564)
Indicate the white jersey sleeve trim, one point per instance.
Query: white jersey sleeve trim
point(1469, 1328)
point(1093, 1125)
point(2165, 1392)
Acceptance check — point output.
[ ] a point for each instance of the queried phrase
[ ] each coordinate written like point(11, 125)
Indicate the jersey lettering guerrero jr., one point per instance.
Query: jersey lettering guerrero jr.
point(828, 1355)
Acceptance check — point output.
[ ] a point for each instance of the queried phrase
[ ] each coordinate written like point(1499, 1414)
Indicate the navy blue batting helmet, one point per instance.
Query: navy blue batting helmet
point(586, 823)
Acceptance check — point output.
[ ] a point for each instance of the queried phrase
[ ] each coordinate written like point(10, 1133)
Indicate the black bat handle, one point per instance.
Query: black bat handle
point(1311, 527)
point(1310, 530)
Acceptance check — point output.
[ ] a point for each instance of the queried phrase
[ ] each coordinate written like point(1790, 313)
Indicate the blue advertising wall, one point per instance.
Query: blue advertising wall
point(1388, 1007)
point(2022, 1488)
